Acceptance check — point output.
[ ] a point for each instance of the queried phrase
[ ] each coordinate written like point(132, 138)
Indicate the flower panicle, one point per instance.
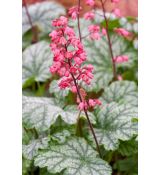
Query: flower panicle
point(68, 59)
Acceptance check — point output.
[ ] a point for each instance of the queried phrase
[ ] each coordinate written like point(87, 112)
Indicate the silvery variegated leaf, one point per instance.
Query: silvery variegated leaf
point(81, 114)
point(83, 26)
point(42, 15)
point(36, 61)
point(61, 136)
point(41, 113)
point(122, 92)
point(59, 93)
point(31, 150)
point(114, 123)
point(98, 55)
point(99, 16)
point(75, 157)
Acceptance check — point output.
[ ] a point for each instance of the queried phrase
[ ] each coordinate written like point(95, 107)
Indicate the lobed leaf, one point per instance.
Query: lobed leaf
point(76, 157)
point(31, 150)
point(36, 61)
point(41, 15)
point(98, 55)
point(114, 123)
point(122, 92)
point(41, 113)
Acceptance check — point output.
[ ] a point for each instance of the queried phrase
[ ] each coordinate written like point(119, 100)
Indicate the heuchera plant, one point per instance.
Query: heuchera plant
point(114, 106)
point(69, 55)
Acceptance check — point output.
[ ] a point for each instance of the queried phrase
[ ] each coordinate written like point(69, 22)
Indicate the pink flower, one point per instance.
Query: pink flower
point(69, 31)
point(62, 21)
point(93, 28)
point(117, 12)
point(115, 1)
point(67, 62)
point(78, 61)
point(62, 40)
point(90, 2)
point(69, 55)
point(95, 36)
point(104, 31)
point(73, 12)
point(94, 102)
point(94, 32)
point(74, 89)
point(89, 16)
point(65, 82)
point(82, 106)
point(73, 69)
point(55, 67)
point(68, 59)
point(53, 34)
point(122, 32)
point(121, 59)
point(98, 102)
point(119, 77)
point(89, 67)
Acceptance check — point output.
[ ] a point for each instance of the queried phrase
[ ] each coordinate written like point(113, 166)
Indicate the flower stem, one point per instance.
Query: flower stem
point(85, 111)
point(79, 30)
point(78, 92)
point(109, 42)
point(34, 29)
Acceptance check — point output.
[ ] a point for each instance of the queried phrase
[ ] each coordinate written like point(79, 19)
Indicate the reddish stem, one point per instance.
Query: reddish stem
point(78, 91)
point(109, 42)
point(34, 30)
point(79, 30)
point(85, 111)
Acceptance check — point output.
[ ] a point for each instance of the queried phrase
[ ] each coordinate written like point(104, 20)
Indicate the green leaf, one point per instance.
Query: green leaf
point(26, 164)
point(59, 93)
point(75, 157)
point(41, 15)
point(26, 136)
point(36, 61)
point(114, 123)
point(122, 92)
point(128, 148)
point(111, 24)
point(41, 113)
point(31, 150)
point(128, 165)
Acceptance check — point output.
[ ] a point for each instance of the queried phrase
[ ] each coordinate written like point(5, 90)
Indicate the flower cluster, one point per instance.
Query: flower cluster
point(94, 32)
point(89, 103)
point(121, 31)
point(121, 59)
point(90, 2)
point(69, 55)
point(89, 16)
point(117, 12)
point(74, 11)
